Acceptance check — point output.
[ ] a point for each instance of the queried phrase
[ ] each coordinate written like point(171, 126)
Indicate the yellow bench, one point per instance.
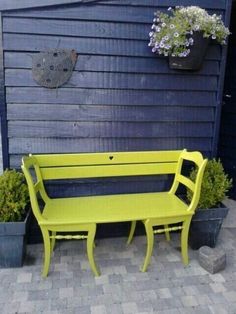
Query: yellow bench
point(85, 212)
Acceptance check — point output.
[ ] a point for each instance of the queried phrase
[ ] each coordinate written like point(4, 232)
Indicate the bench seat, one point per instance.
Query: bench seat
point(113, 208)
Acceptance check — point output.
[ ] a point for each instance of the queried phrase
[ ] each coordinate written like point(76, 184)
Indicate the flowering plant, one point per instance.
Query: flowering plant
point(172, 34)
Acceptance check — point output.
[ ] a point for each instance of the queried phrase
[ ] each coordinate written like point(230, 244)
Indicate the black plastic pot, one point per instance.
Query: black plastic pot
point(205, 226)
point(13, 243)
point(196, 56)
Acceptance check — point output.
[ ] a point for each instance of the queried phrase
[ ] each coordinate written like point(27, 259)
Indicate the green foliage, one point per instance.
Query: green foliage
point(215, 184)
point(14, 196)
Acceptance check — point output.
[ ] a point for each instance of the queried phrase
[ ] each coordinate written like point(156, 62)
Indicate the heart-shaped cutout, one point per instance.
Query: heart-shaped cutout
point(111, 157)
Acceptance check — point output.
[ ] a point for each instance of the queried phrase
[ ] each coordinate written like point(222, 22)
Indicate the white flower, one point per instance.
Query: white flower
point(213, 36)
point(163, 24)
point(190, 40)
point(151, 34)
point(172, 26)
point(176, 34)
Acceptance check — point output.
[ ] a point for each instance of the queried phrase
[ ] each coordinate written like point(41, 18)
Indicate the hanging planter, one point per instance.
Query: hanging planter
point(183, 35)
point(195, 59)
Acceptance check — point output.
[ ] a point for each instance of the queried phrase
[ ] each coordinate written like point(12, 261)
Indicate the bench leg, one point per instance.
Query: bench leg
point(53, 240)
point(150, 241)
point(90, 246)
point(167, 233)
point(47, 251)
point(184, 241)
point(131, 233)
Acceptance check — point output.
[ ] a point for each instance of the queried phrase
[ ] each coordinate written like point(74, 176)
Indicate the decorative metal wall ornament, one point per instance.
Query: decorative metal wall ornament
point(54, 67)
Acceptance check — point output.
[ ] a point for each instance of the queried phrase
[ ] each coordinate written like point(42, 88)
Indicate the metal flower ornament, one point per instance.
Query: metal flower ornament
point(174, 33)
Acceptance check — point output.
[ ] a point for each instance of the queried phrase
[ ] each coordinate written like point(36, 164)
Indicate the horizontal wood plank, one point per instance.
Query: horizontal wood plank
point(24, 78)
point(95, 63)
point(26, 4)
point(91, 29)
point(171, 3)
point(113, 158)
point(57, 145)
point(105, 12)
point(98, 46)
point(108, 129)
point(107, 171)
point(57, 112)
point(109, 97)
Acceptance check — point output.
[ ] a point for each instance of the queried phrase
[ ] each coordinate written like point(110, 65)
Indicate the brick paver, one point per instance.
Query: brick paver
point(167, 287)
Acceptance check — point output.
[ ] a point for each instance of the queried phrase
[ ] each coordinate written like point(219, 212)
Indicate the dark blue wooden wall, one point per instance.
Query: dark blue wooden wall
point(227, 142)
point(121, 96)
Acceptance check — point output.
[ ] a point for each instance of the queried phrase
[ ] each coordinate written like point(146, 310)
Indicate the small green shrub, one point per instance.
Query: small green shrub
point(215, 184)
point(14, 196)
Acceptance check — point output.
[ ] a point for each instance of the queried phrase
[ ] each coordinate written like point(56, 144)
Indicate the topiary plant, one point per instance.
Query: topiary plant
point(215, 184)
point(14, 196)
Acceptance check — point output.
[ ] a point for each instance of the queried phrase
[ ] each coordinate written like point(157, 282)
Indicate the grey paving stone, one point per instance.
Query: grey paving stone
point(58, 304)
point(11, 307)
point(189, 301)
point(213, 260)
point(169, 311)
point(43, 294)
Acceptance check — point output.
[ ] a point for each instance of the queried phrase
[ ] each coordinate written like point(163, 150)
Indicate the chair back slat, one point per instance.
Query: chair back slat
point(78, 172)
point(112, 158)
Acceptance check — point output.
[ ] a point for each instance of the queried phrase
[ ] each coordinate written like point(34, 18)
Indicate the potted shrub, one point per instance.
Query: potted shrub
point(208, 218)
point(184, 34)
point(14, 199)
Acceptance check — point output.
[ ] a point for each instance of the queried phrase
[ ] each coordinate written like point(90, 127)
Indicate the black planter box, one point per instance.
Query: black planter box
point(205, 226)
point(13, 243)
point(195, 59)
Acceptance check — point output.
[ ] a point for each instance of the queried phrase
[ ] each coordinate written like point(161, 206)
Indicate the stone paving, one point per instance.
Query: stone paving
point(168, 287)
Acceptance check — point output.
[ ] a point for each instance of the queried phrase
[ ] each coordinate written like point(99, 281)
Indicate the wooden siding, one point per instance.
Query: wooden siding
point(227, 143)
point(120, 97)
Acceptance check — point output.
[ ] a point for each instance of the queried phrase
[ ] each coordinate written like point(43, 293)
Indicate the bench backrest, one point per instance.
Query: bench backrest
point(95, 165)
